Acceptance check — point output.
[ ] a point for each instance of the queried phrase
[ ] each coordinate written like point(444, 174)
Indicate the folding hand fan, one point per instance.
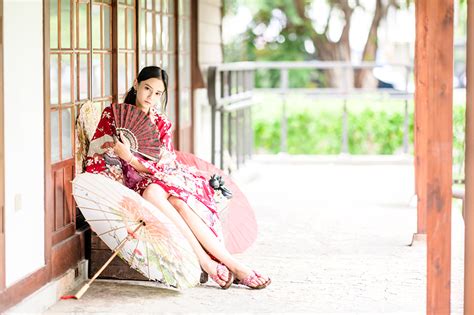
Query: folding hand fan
point(135, 127)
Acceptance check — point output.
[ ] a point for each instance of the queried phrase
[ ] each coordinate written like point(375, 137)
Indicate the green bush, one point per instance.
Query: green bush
point(372, 132)
point(369, 132)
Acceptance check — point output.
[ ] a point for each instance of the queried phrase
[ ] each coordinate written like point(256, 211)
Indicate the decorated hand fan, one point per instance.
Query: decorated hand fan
point(137, 130)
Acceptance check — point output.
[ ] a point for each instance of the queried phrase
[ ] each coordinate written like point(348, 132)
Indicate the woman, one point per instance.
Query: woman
point(187, 199)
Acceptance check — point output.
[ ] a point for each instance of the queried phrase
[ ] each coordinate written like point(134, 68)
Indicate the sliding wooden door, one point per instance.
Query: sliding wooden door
point(93, 51)
point(165, 41)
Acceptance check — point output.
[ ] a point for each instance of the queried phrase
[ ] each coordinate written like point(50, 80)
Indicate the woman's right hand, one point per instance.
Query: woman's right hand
point(122, 149)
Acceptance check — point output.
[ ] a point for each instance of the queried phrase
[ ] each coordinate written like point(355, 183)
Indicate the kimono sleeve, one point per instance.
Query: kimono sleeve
point(166, 134)
point(101, 143)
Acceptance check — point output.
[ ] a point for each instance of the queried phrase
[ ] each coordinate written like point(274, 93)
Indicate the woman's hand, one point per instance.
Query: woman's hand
point(122, 149)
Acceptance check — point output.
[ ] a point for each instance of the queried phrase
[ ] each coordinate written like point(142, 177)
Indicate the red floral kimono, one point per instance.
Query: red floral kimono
point(175, 178)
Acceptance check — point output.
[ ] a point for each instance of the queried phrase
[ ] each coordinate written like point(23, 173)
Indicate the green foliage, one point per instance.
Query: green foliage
point(306, 135)
point(375, 126)
point(459, 119)
point(371, 130)
point(375, 132)
point(267, 136)
point(288, 45)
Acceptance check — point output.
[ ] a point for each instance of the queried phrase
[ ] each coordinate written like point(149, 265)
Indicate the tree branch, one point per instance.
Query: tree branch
point(326, 28)
point(345, 7)
point(300, 9)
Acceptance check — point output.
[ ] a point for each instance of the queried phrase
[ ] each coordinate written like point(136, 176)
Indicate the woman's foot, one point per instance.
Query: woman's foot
point(251, 279)
point(220, 274)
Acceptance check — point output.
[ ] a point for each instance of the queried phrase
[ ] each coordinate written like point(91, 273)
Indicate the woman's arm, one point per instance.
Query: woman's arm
point(136, 164)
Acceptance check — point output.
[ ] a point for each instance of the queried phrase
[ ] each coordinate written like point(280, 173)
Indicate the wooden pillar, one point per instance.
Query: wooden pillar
point(2, 162)
point(421, 102)
point(469, 171)
point(434, 109)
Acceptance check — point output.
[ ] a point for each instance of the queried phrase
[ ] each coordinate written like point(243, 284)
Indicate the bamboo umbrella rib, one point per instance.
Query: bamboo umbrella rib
point(93, 200)
point(134, 252)
point(120, 210)
point(113, 220)
point(170, 247)
point(148, 264)
point(169, 244)
point(100, 188)
point(160, 266)
point(172, 253)
point(114, 229)
point(100, 210)
point(152, 241)
point(132, 194)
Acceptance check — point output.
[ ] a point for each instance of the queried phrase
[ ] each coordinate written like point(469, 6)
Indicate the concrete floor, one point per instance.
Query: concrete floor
point(333, 236)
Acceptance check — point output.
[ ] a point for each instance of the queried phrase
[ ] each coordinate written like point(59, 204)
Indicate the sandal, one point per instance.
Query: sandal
point(247, 281)
point(204, 277)
point(220, 269)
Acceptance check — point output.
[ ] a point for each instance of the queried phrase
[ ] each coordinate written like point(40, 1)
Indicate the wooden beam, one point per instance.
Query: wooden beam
point(469, 171)
point(435, 86)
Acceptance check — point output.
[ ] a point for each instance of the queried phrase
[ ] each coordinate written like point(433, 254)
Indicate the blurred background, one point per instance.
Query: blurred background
point(329, 105)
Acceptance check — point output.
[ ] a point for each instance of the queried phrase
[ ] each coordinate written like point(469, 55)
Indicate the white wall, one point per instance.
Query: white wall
point(210, 53)
point(24, 138)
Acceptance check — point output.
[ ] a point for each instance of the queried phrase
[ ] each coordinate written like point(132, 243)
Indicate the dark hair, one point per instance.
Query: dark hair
point(145, 74)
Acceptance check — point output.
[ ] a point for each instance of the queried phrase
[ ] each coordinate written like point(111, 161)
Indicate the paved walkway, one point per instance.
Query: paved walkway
point(334, 237)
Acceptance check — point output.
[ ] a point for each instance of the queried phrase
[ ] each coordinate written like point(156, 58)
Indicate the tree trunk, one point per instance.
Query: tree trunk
point(327, 50)
point(364, 78)
point(339, 77)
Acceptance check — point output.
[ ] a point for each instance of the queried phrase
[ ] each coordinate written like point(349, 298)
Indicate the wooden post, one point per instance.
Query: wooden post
point(284, 84)
point(435, 93)
point(2, 162)
point(469, 171)
point(421, 102)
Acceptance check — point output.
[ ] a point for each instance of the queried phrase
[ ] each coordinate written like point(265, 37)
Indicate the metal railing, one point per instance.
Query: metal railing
point(231, 93)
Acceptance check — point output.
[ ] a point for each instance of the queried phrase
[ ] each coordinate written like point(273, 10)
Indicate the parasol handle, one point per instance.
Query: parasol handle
point(86, 286)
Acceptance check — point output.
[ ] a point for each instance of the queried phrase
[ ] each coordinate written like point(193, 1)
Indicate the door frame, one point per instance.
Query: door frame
point(48, 200)
point(2, 162)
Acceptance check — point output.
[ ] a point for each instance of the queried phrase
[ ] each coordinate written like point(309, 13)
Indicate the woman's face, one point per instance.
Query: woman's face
point(149, 93)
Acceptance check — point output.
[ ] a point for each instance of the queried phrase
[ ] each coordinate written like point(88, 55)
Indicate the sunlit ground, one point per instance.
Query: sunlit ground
point(333, 235)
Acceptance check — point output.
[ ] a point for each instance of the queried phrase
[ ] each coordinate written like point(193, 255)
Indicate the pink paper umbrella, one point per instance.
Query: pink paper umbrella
point(238, 218)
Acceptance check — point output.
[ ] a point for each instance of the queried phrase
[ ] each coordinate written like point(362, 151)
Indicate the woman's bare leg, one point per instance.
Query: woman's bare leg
point(211, 243)
point(159, 197)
